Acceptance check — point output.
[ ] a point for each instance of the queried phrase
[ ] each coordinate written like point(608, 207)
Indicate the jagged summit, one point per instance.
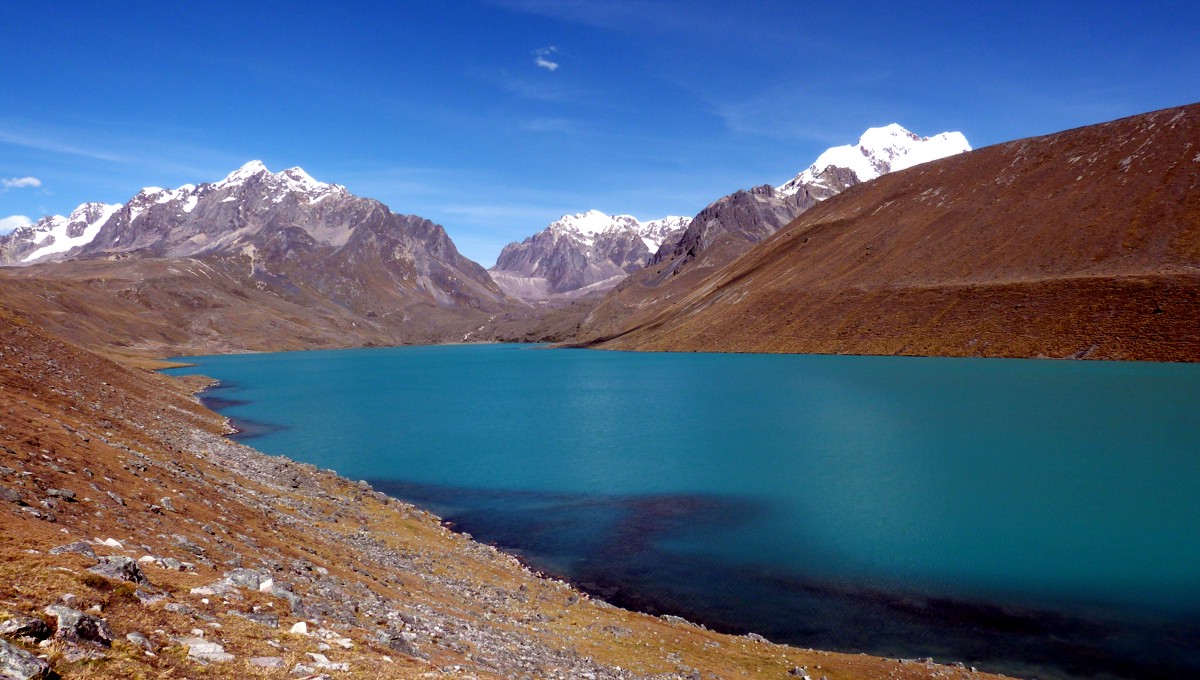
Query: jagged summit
point(880, 150)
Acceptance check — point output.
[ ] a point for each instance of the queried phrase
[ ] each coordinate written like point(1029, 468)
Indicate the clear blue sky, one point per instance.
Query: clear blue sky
point(495, 117)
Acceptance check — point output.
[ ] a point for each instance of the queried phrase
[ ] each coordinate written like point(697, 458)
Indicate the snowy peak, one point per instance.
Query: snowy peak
point(58, 234)
point(586, 227)
point(581, 254)
point(239, 176)
point(880, 150)
point(279, 184)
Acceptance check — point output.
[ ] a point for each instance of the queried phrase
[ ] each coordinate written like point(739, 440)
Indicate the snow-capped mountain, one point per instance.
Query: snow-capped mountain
point(306, 241)
point(753, 215)
point(580, 254)
point(879, 151)
point(55, 234)
point(56, 238)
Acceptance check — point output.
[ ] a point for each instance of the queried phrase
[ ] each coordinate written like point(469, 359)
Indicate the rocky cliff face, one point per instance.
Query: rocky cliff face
point(580, 254)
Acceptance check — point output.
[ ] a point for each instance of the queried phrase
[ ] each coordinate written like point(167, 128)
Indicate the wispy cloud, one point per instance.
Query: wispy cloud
point(542, 58)
point(44, 144)
point(563, 126)
point(21, 182)
point(7, 224)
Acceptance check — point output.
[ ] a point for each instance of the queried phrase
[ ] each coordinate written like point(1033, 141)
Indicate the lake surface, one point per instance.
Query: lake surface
point(1040, 518)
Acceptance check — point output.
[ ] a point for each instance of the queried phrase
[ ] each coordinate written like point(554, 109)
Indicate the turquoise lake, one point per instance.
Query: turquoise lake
point(1034, 517)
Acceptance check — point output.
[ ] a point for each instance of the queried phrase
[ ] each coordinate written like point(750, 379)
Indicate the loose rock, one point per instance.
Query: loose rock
point(25, 626)
point(121, 568)
point(80, 547)
point(21, 665)
point(75, 626)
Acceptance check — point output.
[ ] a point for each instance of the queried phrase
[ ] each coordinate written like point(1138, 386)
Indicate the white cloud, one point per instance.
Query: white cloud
point(541, 58)
point(7, 224)
point(21, 182)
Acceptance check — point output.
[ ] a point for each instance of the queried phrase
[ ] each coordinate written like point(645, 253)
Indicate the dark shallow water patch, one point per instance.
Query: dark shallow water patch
point(620, 548)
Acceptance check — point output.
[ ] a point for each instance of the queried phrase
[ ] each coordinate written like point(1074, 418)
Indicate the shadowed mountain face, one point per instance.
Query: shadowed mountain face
point(320, 265)
point(1083, 243)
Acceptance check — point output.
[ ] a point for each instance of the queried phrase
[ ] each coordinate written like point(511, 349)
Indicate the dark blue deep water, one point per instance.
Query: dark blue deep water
point(1040, 518)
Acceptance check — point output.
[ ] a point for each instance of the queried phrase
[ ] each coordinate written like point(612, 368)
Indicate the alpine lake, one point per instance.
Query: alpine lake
point(1033, 517)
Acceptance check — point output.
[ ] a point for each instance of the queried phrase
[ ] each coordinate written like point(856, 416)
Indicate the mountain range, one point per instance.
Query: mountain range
point(256, 260)
point(1084, 243)
point(592, 252)
point(1049, 246)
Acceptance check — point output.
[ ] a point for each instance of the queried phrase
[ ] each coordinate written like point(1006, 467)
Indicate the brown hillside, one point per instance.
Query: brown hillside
point(156, 307)
point(1084, 243)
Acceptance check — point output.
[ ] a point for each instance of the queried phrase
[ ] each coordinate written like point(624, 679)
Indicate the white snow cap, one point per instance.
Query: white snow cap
point(586, 226)
point(55, 228)
point(879, 151)
point(290, 180)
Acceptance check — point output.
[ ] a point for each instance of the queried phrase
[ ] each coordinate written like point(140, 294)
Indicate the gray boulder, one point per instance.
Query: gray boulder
point(21, 665)
point(75, 626)
point(80, 547)
point(121, 568)
point(25, 626)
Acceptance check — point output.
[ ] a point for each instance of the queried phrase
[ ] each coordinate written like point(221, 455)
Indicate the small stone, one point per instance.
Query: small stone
point(21, 665)
point(112, 543)
point(140, 640)
point(116, 499)
point(269, 620)
point(267, 661)
point(9, 495)
point(204, 651)
point(245, 578)
point(167, 504)
point(65, 494)
point(38, 514)
point(25, 626)
point(299, 628)
point(178, 608)
point(80, 547)
point(148, 597)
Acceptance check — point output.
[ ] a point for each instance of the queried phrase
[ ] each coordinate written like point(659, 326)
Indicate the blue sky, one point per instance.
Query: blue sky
point(495, 117)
